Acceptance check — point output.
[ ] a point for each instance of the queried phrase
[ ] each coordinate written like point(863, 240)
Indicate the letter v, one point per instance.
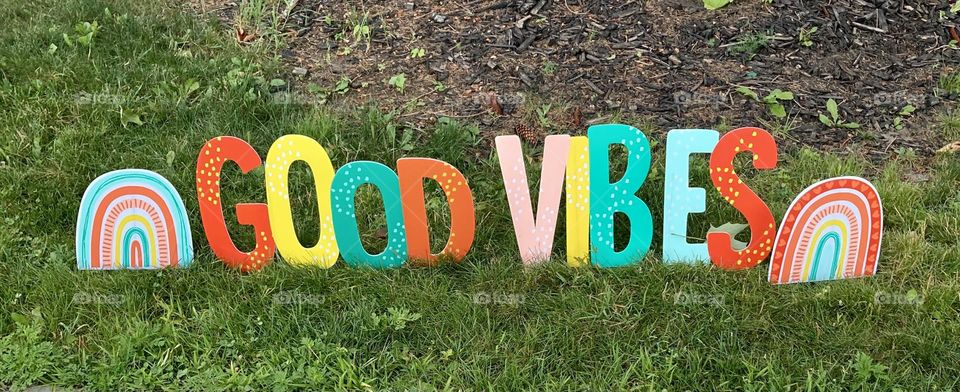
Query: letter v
point(534, 238)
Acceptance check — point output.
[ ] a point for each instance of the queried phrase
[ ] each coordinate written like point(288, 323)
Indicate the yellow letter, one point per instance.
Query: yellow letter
point(286, 150)
point(578, 203)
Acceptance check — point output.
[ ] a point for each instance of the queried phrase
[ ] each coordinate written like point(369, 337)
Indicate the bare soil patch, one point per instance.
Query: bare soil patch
point(560, 65)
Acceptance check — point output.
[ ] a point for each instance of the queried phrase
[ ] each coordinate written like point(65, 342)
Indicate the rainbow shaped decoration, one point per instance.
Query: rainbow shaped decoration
point(832, 230)
point(132, 219)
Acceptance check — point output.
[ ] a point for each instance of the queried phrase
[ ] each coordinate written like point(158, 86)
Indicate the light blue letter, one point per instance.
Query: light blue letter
point(679, 199)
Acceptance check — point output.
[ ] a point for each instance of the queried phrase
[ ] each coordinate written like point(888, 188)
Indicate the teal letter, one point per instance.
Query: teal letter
point(342, 192)
point(607, 198)
point(679, 200)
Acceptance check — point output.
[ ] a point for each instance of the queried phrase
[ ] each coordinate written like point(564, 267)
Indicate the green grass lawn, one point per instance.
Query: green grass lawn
point(154, 83)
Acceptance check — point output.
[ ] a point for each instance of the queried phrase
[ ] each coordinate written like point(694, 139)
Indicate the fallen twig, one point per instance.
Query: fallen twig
point(871, 28)
point(497, 6)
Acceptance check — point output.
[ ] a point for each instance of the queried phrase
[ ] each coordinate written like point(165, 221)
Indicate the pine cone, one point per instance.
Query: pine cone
point(576, 119)
point(526, 133)
point(494, 105)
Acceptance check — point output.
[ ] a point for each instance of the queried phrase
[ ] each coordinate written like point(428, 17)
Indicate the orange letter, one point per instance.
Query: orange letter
point(210, 162)
point(412, 172)
point(740, 196)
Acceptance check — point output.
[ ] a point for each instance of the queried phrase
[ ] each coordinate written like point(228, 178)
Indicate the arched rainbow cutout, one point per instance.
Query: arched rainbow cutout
point(132, 219)
point(832, 230)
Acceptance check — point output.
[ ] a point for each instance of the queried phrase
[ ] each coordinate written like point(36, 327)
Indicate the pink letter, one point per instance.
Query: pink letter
point(534, 238)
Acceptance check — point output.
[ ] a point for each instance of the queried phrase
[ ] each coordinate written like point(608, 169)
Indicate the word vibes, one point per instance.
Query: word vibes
point(135, 219)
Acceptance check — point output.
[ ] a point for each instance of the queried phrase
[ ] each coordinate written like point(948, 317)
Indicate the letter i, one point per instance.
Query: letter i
point(578, 202)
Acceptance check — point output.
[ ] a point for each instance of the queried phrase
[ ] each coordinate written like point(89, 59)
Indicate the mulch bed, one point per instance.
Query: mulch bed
point(666, 63)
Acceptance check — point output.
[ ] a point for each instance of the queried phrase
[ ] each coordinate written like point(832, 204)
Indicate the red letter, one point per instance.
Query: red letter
point(412, 172)
point(740, 196)
point(210, 162)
